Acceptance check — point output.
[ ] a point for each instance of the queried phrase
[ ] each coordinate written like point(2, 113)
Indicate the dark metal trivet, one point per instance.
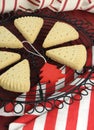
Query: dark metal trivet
point(80, 86)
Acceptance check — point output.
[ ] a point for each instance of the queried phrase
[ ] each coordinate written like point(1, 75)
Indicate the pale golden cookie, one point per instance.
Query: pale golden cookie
point(8, 58)
point(17, 78)
point(73, 56)
point(8, 40)
point(60, 33)
point(29, 27)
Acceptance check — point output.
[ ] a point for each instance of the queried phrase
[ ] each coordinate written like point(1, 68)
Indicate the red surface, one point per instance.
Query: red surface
point(4, 121)
point(47, 72)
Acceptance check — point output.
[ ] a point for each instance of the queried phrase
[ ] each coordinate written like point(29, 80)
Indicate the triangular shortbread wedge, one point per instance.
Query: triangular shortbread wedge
point(8, 58)
point(73, 56)
point(29, 27)
point(60, 33)
point(8, 39)
point(17, 78)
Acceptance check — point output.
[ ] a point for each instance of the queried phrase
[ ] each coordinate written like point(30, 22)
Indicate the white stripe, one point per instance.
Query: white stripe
point(86, 6)
point(56, 4)
point(62, 118)
point(92, 55)
point(20, 128)
point(26, 4)
point(83, 112)
point(77, 81)
point(16, 126)
point(91, 10)
point(70, 5)
point(0, 5)
point(9, 6)
point(46, 3)
point(40, 122)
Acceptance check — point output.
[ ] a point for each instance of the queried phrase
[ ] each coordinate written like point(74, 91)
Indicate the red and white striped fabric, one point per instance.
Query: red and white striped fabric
point(55, 5)
point(74, 117)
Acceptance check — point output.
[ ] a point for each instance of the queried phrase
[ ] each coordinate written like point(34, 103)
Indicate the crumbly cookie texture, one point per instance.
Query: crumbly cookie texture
point(8, 58)
point(8, 39)
point(17, 78)
point(60, 33)
point(73, 56)
point(29, 27)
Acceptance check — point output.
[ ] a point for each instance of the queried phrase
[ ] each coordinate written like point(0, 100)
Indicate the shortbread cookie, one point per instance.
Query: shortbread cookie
point(8, 58)
point(8, 40)
point(29, 27)
point(17, 78)
point(73, 56)
point(60, 33)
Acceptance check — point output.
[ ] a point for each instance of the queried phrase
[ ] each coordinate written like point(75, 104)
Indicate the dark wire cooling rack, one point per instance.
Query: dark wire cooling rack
point(64, 92)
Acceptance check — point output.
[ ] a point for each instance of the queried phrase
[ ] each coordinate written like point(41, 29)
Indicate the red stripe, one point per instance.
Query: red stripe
point(51, 2)
point(88, 9)
point(25, 9)
point(78, 2)
point(72, 116)
point(3, 6)
point(29, 126)
point(89, 1)
point(69, 75)
point(25, 119)
point(89, 57)
point(28, 120)
point(59, 1)
point(33, 3)
point(65, 3)
point(15, 4)
point(37, 0)
point(55, 9)
point(28, 98)
point(43, 1)
point(50, 89)
point(91, 113)
point(51, 120)
point(22, 7)
point(91, 109)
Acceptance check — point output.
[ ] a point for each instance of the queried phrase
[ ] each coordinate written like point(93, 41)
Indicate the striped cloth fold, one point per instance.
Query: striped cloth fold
point(55, 5)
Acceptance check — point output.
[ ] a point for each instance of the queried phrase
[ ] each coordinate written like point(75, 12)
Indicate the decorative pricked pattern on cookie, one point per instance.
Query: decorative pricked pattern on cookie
point(60, 33)
point(17, 78)
point(73, 56)
point(29, 27)
point(8, 58)
point(8, 40)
